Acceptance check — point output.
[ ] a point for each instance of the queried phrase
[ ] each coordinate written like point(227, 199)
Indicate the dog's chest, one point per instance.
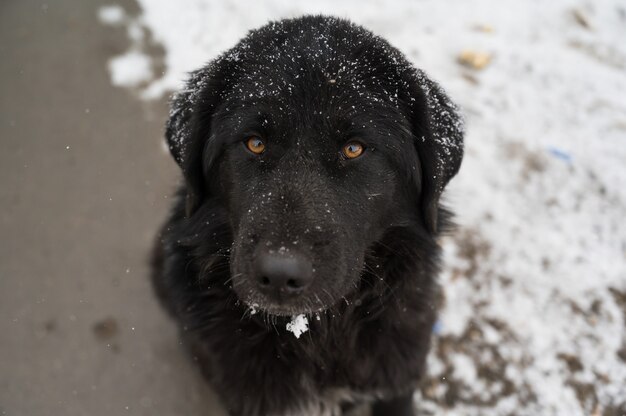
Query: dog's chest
point(337, 401)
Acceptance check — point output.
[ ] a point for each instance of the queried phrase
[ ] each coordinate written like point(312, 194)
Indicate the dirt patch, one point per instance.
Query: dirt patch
point(585, 393)
point(473, 248)
point(614, 410)
point(449, 390)
point(573, 362)
point(533, 162)
point(106, 329)
point(620, 299)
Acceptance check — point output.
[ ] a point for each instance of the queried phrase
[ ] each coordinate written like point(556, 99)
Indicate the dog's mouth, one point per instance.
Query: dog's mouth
point(290, 307)
point(281, 279)
point(310, 301)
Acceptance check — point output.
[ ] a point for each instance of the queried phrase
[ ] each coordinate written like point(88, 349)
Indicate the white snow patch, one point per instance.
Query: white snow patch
point(464, 368)
point(299, 325)
point(130, 69)
point(111, 14)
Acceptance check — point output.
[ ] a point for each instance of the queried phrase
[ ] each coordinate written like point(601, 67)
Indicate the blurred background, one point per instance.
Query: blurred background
point(534, 316)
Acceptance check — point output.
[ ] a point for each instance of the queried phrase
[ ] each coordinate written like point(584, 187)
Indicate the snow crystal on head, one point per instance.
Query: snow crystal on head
point(182, 106)
point(276, 63)
point(446, 128)
point(329, 51)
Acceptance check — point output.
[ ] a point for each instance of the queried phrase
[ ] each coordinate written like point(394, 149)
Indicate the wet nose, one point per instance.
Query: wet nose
point(283, 274)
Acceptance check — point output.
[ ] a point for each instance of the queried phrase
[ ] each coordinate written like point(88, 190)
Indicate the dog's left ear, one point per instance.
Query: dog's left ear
point(437, 128)
point(188, 129)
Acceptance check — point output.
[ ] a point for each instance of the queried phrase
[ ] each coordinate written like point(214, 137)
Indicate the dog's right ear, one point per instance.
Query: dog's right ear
point(188, 128)
point(438, 130)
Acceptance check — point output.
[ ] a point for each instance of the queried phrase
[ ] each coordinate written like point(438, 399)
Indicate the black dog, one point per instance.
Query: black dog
point(314, 156)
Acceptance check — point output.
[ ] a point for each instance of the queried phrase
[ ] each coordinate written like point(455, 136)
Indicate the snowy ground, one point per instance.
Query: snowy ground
point(534, 314)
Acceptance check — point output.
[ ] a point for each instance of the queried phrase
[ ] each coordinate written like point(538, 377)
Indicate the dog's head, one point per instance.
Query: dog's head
point(316, 137)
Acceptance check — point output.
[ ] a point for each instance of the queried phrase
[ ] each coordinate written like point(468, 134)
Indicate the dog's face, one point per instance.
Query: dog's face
point(311, 180)
point(310, 145)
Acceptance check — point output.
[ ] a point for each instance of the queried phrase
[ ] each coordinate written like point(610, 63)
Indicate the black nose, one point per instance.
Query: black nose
point(283, 273)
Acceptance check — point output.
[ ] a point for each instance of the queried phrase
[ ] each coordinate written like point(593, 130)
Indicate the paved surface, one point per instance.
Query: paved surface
point(83, 187)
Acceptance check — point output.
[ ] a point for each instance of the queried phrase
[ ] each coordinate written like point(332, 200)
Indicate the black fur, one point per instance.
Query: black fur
point(368, 226)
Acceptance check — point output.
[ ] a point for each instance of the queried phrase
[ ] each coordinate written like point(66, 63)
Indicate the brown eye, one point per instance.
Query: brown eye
point(353, 150)
point(255, 145)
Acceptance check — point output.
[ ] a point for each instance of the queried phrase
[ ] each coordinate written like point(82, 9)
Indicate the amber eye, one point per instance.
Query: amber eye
point(255, 145)
point(353, 150)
